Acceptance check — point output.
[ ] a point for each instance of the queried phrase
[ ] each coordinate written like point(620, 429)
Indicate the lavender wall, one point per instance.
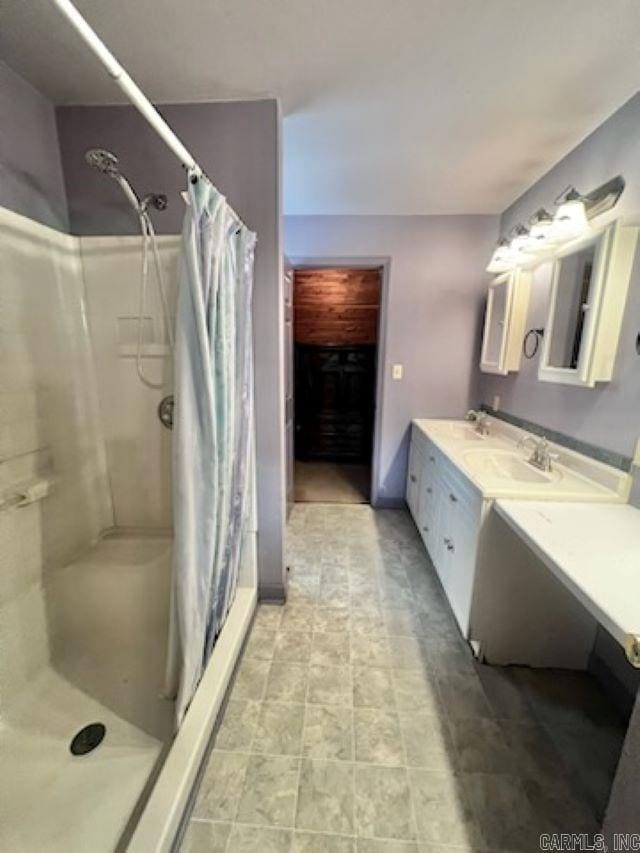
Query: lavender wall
point(31, 180)
point(609, 414)
point(238, 145)
point(435, 288)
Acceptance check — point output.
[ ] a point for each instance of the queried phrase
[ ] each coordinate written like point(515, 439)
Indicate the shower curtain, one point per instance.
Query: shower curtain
point(212, 429)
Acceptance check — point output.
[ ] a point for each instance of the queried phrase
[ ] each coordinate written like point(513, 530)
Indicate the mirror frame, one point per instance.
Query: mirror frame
point(575, 375)
point(612, 265)
point(517, 282)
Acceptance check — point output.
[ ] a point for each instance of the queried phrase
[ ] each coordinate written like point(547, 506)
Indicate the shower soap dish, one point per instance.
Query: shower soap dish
point(26, 494)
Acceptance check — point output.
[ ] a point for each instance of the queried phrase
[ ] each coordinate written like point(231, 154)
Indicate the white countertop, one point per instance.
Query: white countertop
point(574, 477)
point(593, 549)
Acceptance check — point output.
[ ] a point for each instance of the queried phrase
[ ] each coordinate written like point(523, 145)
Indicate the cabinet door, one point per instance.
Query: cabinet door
point(589, 286)
point(438, 527)
point(460, 532)
point(462, 547)
point(414, 473)
point(428, 505)
point(494, 340)
point(430, 498)
point(504, 322)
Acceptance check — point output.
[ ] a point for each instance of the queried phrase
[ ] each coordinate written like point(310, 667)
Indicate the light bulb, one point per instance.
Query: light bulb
point(570, 219)
point(540, 237)
point(520, 242)
point(501, 259)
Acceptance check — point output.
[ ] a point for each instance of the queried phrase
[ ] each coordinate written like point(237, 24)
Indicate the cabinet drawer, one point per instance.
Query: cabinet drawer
point(460, 492)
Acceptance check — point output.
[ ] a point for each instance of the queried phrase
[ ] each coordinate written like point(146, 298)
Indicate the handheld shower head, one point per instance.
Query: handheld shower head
point(107, 163)
point(103, 160)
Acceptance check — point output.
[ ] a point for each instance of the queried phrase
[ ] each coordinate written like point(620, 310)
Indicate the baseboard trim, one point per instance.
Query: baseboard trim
point(272, 593)
point(388, 503)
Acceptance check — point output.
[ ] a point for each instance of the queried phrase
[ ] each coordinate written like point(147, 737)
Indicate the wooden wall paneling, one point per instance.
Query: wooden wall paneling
point(336, 306)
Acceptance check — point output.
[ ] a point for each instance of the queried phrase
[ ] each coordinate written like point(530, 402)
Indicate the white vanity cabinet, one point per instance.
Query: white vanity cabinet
point(447, 509)
point(454, 477)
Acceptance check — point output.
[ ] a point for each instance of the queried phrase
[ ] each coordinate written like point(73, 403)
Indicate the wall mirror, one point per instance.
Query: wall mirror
point(589, 283)
point(507, 303)
point(575, 276)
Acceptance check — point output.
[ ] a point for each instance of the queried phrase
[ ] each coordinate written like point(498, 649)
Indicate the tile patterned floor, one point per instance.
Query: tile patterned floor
point(331, 482)
point(358, 720)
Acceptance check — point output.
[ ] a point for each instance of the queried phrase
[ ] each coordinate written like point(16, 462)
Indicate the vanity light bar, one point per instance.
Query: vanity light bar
point(571, 218)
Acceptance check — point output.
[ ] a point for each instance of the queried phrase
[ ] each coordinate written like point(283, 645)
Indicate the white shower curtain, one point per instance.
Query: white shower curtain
point(212, 422)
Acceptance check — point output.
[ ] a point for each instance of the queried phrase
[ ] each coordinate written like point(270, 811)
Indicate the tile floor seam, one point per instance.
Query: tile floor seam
point(252, 741)
point(297, 794)
point(414, 812)
point(355, 836)
point(291, 829)
point(343, 761)
point(354, 752)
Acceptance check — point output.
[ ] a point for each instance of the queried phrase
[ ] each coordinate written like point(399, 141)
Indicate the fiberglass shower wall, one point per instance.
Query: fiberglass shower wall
point(50, 439)
point(138, 445)
point(50, 435)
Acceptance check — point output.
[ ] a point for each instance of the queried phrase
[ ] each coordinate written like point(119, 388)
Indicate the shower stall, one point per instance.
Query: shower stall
point(93, 755)
point(86, 531)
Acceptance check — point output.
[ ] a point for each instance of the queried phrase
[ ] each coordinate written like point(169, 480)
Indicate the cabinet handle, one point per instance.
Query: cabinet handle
point(448, 543)
point(432, 458)
point(429, 490)
point(425, 528)
point(414, 478)
point(453, 498)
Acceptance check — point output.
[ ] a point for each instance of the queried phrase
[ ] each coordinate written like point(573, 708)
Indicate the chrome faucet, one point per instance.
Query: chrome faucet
point(541, 457)
point(481, 420)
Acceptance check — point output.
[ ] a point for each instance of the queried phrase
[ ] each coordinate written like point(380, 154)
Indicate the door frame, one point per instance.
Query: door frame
point(383, 263)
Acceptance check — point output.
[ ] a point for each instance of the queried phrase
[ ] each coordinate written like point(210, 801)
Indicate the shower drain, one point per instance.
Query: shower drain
point(87, 739)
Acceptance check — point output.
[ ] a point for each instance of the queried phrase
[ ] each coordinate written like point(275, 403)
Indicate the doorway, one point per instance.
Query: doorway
point(336, 319)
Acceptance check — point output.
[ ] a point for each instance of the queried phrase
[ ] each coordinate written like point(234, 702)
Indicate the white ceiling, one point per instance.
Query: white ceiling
point(391, 106)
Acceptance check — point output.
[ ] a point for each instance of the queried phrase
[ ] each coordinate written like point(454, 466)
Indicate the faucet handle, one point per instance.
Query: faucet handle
point(524, 439)
point(471, 415)
point(544, 446)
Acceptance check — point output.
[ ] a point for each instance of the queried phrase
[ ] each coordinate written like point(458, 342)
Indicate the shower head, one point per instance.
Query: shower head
point(107, 163)
point(103, 160)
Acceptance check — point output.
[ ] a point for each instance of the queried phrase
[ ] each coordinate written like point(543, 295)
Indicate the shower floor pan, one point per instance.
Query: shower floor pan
point(107, 617)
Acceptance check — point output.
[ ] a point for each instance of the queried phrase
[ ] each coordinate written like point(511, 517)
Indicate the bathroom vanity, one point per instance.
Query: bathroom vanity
point(454, 476)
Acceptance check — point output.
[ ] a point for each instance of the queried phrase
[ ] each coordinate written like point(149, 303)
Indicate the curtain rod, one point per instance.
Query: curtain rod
point(128, 86)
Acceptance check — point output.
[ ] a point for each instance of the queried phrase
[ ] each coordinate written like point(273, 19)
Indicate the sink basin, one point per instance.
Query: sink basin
point(459, 432)
point(507, 465)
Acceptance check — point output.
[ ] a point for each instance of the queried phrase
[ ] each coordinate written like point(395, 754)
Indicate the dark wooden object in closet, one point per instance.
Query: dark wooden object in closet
point(335, 402)
point(335, 330)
